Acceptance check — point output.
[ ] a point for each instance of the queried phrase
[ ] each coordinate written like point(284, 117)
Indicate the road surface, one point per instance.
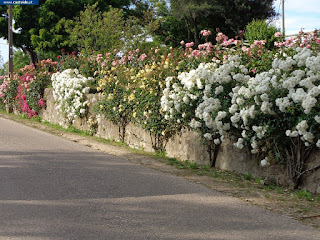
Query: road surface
point(52, 188)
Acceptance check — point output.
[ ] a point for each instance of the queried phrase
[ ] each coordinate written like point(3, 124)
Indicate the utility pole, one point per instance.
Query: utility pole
point(283, 27)
point(10, 38)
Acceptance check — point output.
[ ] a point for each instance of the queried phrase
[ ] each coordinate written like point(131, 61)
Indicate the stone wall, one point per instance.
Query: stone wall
point(185, 146)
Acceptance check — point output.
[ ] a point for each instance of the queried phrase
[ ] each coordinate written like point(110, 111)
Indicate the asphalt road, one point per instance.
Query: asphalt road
point(52, 188)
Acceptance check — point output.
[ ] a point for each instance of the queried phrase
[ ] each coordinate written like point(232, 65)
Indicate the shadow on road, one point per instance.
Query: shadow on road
point(91, 195)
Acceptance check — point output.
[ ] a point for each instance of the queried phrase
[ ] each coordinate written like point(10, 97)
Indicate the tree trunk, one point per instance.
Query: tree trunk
point(32, 55)
point(297, 155)
point(196, 31)
point(188, 28)
point(213, 151)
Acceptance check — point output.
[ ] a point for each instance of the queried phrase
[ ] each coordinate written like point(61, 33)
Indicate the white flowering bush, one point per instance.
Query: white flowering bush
point(284, 98)
point(69, 89)
point(275, 113)
point(279, 111)
point(200, 99)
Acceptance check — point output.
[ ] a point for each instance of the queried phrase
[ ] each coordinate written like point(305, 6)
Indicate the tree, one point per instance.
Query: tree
point(236, 14)
point(39, 25)
point(170, 28)
point(94, 31)
point(192, 12)
point(228, 16)
point(42, 27)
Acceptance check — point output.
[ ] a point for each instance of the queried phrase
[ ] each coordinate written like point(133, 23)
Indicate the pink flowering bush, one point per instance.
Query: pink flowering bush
point(8, 90)
point(308, 40)
point(24, 91)
point(4, 82)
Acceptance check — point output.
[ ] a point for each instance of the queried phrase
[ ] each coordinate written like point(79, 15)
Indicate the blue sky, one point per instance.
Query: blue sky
point(298, 14)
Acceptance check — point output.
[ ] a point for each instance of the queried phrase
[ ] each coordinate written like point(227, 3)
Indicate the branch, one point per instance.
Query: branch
point(310, 170)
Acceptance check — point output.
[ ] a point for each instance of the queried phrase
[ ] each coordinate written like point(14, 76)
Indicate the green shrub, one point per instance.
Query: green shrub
point(261, 30)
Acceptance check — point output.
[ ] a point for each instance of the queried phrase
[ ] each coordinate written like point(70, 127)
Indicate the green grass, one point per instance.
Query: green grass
point(248, 176)
point(191, 165)
point(161, 154)
point(258, 181)
point(206, 168)
point(304, 194)
point(174, 162)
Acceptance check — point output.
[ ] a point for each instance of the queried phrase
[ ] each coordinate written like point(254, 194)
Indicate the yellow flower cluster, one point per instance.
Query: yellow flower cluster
point(133, 89)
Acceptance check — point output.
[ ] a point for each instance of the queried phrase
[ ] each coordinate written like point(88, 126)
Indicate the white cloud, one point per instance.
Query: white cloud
point(299, 6)
point(302, 6)
point(299, 14)
point(297, 23)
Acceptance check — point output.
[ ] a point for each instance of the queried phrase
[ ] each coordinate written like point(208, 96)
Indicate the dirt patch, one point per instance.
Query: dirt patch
point(298, 205)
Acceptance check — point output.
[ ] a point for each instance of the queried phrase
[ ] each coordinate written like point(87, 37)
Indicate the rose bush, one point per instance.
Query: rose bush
point(24, 90)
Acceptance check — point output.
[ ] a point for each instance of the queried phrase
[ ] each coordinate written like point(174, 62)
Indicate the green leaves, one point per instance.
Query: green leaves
point(95, 31)
point(44, 27)
point(187, 16)
point(260, 30)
